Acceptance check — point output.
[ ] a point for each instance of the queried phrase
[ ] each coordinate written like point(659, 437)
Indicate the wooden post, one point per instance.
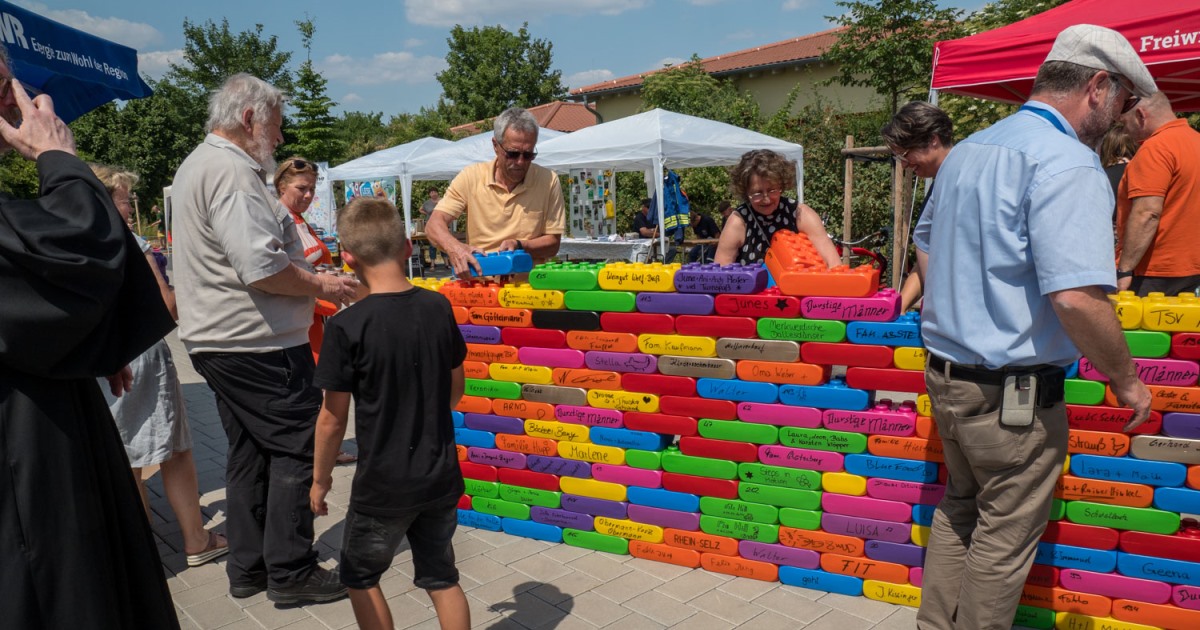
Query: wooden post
point(137, 216)
point(847, 210)
point(897, 219)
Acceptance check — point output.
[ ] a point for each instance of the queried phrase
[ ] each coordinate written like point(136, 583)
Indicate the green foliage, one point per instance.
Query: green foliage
point(491, 69)
point(427, 123)
point(689, 89)
point(1005, 12)
point(314, 135)
point(361, 133)
point(18, 176)
point(213, 53)
point(888, 45)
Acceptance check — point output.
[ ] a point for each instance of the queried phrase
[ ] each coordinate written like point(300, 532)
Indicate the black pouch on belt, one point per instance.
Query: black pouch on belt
point(1052, 383)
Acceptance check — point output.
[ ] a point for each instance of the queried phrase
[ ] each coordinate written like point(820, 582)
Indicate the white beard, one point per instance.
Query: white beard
point(261, 150)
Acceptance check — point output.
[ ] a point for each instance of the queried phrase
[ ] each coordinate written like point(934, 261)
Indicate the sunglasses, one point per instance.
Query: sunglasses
point(514, 155)
point(299, 165)
point(1131, 101)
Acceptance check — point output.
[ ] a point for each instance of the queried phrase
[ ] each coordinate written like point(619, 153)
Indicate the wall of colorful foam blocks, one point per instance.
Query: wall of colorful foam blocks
point(688, 415)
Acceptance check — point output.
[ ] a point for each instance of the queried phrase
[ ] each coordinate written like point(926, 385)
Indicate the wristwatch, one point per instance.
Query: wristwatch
point(1124, 274)
point(520, 245)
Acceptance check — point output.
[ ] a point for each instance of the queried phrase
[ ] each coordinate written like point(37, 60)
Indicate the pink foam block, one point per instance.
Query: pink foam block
point(1171, 372)
point(824, 461)
point(915, 576)
point(882, 420)
point(906, 491)
point(884, 306)
point(591, 416)
point(494, 457)
point(1114, 585)
point(627, 476)
point(779, 415)
point(1186, 596)
point(867, 507)
point(551, 357)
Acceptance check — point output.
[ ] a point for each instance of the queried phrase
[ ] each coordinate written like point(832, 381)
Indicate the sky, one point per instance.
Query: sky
point(384, 55)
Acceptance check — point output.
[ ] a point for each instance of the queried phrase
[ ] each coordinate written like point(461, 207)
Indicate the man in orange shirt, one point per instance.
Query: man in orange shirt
point(1158, 203)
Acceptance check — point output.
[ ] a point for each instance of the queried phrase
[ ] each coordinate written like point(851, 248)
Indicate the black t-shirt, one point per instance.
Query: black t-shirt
point(394, 352)
point(706, 228)
point(641, 221)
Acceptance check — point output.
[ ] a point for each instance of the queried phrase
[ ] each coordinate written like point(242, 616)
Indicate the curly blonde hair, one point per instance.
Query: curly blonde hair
point(766, 164)
point(113, 177)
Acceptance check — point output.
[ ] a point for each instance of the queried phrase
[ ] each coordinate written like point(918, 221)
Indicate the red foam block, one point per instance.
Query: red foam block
point(888, 379)
point(1173, 547)
point(533, 337)
point(848, 354)
point(719, 449)
point(659, 384)
point(702, 486)
point(716, 326)
point(1043, 575)
point(1067, 533)
point(660, 423)
point(482, 472)
point(769, 303)
point(638, 323)
point(529, 479)
point(698, 407)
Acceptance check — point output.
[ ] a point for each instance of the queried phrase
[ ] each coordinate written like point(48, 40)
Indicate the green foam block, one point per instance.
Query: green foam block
point(676, 462)
point(738, 431)
point(531, 496)
point(492, 389)
point(780, 476)
point(485, 489)
point(566, 276)
point(800, 329)
point(595, 542)
point(501, 508)
point(1122, 517)
point(739, 510)
point(742, 530)
point(616, 301)
point(646, 460)
point(1081, 392)
point(800, 519)
point(782, 497)
point(823, 440)
point(1058, 510)
point(1033, 617)
point(1150, 344)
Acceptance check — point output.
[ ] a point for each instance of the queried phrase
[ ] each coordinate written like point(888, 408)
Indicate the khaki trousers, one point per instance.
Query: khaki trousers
point(998, 497)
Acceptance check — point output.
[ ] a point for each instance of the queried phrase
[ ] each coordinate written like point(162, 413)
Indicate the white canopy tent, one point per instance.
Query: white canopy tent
point(657, 138)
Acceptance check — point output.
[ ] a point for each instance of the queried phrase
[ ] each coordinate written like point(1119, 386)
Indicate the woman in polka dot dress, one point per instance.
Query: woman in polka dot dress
point(760, 179)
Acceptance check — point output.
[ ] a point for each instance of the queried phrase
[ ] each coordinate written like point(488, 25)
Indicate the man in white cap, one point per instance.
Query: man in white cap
point(1016, 249)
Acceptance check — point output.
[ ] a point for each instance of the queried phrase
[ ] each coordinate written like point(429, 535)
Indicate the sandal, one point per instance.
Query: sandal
point(345, 458)
point(217, 547)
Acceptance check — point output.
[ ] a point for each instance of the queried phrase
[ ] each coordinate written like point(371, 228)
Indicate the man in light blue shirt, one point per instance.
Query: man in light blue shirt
point(1016, 251)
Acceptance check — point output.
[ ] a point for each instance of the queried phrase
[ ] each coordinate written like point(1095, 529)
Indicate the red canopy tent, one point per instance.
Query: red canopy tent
point(1000, 64)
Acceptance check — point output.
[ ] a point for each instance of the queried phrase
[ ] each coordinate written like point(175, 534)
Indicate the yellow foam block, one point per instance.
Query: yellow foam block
point(1076, 621)
point(517, 373)
point(591, 453)
point(681, 345)
point(624, 276)
point(1171, 313)
point(844, 483)
point(560, 431)
point(624, 401)
point(924, 406)
point(525, 296)
point(902, 594)
point(597, 490)
point(629, 529)
point(909, 358)
point(920, 535)
point(1129, 309)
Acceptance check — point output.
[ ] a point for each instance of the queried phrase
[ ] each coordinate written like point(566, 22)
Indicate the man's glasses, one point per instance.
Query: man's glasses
point(763, 196)
point(1131, 101)
point(6, 87)
point(513, 155)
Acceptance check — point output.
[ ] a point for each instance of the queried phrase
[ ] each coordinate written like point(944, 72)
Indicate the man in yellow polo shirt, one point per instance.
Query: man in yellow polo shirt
point(511, 203)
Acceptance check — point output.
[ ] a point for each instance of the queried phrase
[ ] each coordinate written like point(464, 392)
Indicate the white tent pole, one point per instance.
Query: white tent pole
point(406, 197)
point(658, 194)
point(800, 179)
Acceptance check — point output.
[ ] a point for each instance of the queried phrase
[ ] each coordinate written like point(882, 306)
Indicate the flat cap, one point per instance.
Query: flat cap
point(1103, 49)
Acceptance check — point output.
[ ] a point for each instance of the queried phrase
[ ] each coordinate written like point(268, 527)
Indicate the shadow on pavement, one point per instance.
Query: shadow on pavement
point(531, 607)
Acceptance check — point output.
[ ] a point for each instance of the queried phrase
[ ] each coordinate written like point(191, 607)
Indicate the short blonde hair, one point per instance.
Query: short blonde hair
point(766, 164)
point(370, 228)
point(113, 177)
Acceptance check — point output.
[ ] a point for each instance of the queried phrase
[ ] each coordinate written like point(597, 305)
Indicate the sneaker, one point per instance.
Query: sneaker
point(242, 592)
point(321, 585)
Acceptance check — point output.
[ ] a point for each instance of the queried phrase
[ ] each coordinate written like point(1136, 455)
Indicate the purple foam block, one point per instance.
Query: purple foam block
point(494, 424)
point(712, 279)
point(674, 519)
point(561, 518)
point(622, 361)
point(868, 528)
point(480, 334)
point(779, 554)
point(559, 466)
point(899, 553)
point(675, 303)
point(1181, 425)
point(595, 507)
point(495, 457)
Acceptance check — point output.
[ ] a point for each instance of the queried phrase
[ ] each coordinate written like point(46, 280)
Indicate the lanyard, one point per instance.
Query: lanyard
point(1053, 120)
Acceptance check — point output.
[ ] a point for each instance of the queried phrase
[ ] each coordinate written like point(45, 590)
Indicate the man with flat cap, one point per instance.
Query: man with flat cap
point(1017, 255)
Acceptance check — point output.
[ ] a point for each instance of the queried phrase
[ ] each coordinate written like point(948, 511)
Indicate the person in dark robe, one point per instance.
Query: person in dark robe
point(77, 301)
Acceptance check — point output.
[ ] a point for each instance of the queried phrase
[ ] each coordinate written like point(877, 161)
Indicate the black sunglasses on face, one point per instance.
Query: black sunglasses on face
point(513, 155)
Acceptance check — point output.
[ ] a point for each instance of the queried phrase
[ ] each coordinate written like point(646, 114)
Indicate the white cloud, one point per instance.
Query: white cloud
point(796, 5)
point(351, 97)
point(388, 67)
point(413, 42)
point(476, 12)
point(588, 77)
point(156, 63)
point(669, 61)
point(132, 34)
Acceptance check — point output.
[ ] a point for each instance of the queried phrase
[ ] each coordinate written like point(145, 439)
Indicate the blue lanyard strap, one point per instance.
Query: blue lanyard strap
point(1053, 120)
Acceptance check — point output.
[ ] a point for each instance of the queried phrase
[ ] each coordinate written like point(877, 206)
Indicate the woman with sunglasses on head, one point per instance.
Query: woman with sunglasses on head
point(296, 184)
point(760, 179)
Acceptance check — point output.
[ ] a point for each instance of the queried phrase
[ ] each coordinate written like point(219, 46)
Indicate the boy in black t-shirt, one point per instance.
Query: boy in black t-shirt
point(405, 378)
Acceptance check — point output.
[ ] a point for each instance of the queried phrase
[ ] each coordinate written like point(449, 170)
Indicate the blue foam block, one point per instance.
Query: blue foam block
point(832, 395)
point(1129, 470)
point(891, 468)
point(1070, 557)
point(627, 438)
point(665, 499)
point(503, 263)
point(923, 514)
point(737, 390)
point(821, 580)
point(904, 331)
point(1161, 569)
point(531, 529)
point(457, 418)
point(471, 437)
point(1177, 500)
point(478, 520)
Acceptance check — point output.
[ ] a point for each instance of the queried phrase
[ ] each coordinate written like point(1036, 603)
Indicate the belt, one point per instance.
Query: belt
point(979, 374)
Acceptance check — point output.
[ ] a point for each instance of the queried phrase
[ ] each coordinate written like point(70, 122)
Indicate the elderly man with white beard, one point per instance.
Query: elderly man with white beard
point(245, 295)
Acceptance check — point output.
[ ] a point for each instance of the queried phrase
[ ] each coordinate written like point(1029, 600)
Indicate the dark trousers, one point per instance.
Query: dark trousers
point(701, 253)
point(1171, 286)
point(268, 407)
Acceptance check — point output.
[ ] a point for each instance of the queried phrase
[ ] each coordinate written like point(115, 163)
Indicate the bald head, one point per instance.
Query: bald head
point(1152, 112)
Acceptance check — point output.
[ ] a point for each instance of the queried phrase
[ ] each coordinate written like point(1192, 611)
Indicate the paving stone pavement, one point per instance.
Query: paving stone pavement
point(511, 583)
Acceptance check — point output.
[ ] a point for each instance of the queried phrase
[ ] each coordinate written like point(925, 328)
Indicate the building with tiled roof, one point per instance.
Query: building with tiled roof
point(769, 72)
point(559, 116)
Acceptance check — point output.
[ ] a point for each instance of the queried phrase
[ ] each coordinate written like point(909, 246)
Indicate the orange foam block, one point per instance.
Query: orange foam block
point(864, 568)
point(496, 316)
point(740, 567)
point(471, 293)
point(476, 369)
point(782, 373)
point(523, 409)
point(1062, 600)
point(820, 541)
point(527, 444)
point(1161, 615)
point(664, 553)
point(1097, 443)
point(474, 404)
point(461, 314)
point(491, 353)
point(799, 270)
point(700, 541)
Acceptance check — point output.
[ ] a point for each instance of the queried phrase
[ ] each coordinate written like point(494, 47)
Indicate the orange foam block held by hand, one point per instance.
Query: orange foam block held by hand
point(799, 270)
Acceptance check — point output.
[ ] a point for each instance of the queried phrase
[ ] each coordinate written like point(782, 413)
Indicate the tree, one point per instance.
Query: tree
point(492, 69)
point(213, 53)
point(689, 89)
point(888, 45)
point(315, 137)
point(361, 133)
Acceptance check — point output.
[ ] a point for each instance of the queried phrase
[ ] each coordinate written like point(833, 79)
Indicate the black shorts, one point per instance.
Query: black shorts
point(369, 545)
